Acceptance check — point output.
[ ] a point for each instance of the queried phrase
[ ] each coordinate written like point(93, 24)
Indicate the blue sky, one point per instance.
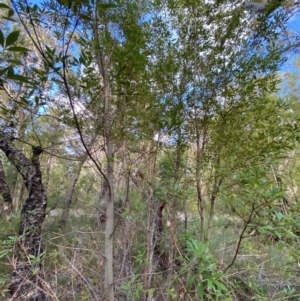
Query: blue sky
point(294, 25)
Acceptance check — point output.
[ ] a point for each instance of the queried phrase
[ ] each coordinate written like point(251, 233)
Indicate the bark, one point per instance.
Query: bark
point(109, 177)
point(126, 227)
point(200, 135)
point(109, 225)
point(148, 195)
point(160, 255)
point(150, 251)
point(109, 229)
point(5, 191)
point(216, 188)
point(27, 278)
point(157, 259)
point(173, 210)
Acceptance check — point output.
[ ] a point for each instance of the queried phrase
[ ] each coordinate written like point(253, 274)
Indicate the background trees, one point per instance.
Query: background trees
point(164, 147)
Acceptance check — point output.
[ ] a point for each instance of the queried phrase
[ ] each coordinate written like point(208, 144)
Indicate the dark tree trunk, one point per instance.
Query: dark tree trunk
point(5, 191)
point(27, 279)
point(161, 256)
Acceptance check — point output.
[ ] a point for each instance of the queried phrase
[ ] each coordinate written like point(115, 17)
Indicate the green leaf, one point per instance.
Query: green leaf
point(278, 234)
point(106, 6)
point(4, 291)
point(217, 274)
point(2, 71)
point(15, 62)
point(221, 286)
point(200, 290)
point(85, 17)
point(12, 38)
point(10, 13)
point(209, 284)
point(18, 48)
point(206, 275)
point(10, 71)
point(190, 282)
point(20, 78)
point(3, 253)
point(279, 215)
point(8, 19)
point(2, 5)
point(1, 38)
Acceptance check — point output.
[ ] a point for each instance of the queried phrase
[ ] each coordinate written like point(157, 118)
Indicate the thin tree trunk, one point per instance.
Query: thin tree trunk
point(173, 210)
point(27, 278)
point(152, 221)
point(70, 192)
point(199, 149)
point(215, 190)
point(5, 192)
point(109, 229)
point(150, 249)
point(124, 272)
point(109, 177)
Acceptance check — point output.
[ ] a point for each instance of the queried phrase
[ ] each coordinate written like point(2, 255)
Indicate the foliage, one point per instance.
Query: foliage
point(205, 278)
point(170, 111)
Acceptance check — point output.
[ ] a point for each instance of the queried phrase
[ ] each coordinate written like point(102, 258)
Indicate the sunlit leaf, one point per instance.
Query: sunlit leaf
point(4, 291)
point(221, 286)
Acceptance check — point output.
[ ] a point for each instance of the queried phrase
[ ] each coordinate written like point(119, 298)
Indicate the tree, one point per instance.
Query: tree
point(27, 281)
point(100, 64)
point(117, 76)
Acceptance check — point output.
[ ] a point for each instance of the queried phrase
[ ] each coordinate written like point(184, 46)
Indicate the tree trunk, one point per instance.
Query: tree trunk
point(173, 211)
point(109, 229)
point(70, 192)
point(27, 278)
point(152, 229)
point(5, 191)
point(109, 177)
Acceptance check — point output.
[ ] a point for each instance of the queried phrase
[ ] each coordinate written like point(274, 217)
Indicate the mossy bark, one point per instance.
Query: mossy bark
point(27, 279)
